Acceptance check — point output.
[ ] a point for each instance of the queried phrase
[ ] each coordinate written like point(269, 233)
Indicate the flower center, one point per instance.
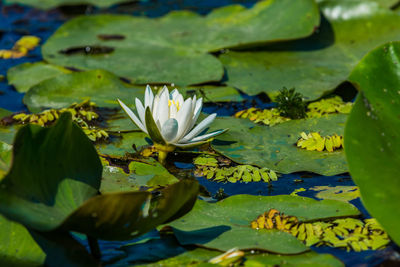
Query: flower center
point(172, 102)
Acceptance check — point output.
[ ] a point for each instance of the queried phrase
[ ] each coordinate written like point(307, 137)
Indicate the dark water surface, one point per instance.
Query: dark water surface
point(16, 21)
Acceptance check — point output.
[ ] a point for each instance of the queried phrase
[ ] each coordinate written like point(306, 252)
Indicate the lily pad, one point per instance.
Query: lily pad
point(174, 48)
point(56, 162)
point(17, 247)
point(226, 224)
point(147, 173)
point(306, 259)
point(212, 93)
point(26, 75)
point(274, 147)
point(124, 144)
point(48, 4)
point(167, 252)
point(5, 158)
point(4, 113)
point(318, 64)
point(58, 188)
point(7, 133)
point(372, 135)
point(99, 86)
point(342, 193)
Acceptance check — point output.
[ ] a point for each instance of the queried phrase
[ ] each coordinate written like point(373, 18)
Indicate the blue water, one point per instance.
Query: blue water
point(16, 21)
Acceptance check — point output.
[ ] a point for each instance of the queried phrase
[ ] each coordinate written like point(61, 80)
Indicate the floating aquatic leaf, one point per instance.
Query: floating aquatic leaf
point(372, 135)
point(305, 259)
point(60, 188)
point(26, 75)
point(182, 36)
point(328, 106)
point(348, 233)
point(5, 158)
point(298, 190)
point(99, 86)
point(21, 47)
point(316, 109)
point(17, 247)
point(318, 64)
point(273, 147)
point(48, 4)
point(82, 113)
point(314, 141)
point(343, 193)
point(268, 117)
point(208, 167)
point(226, 224)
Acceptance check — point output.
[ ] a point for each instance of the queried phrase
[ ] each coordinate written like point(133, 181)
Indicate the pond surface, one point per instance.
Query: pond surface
point(16, 21)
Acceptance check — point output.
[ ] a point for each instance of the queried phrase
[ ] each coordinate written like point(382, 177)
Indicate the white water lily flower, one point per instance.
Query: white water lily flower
point(170, 120)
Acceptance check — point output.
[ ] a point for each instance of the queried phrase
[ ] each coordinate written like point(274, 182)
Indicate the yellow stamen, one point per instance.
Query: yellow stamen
point(172, 102)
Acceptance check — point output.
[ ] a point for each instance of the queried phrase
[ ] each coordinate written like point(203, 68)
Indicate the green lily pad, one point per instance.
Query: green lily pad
point(17, 247)
point(120, 146)
point(7, 133)
point(148, 173)
point(174, 48)
point(99, 86)
point(56, 162)
point(226, 224)
point(48, 4)
point(306, 259)
point(125, 215)
point(318, 64)
point(342, 193)
point(4, 113)
point(384, 3)
point(166, 251)
point(5, 158)
point(274, 147)
point(372, 135)
point(26, 75)
point(57, 188)
point(212, 93)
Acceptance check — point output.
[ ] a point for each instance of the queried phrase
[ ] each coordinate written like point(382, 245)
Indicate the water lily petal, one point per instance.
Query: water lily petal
point(199, 128)
point(184, 119)
point(188, 145)
point(208, 136)
point(132, 116)
point(194, 101)
point(173, 111)
point(174, 94)
point(169, 129)
point(197, 111)
point(148, 98)
point(179, 100)
point(155, 106)
point(140, 110)
point(163, 109)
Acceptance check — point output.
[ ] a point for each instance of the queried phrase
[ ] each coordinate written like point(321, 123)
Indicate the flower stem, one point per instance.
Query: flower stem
point(163, 151)
point(162, 157)
point(94, 247)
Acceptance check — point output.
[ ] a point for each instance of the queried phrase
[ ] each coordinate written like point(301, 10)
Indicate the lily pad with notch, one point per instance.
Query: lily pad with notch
point(226, 224)
point(318, 64)
point(175, 48)
point(274, 147)
point(99, 86)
